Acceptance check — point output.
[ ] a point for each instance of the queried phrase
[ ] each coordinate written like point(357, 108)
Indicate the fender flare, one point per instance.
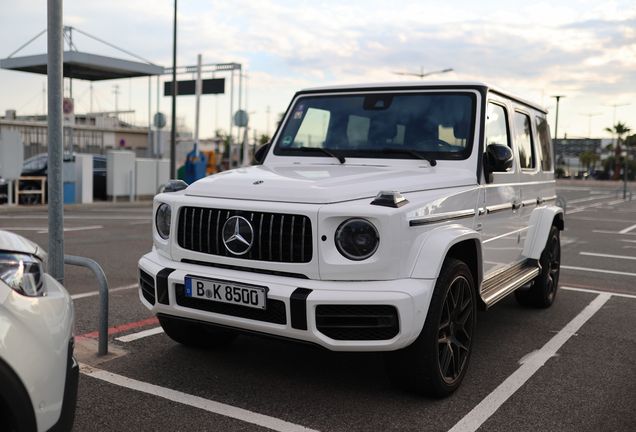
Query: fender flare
point(436, 247)
point(541, 220)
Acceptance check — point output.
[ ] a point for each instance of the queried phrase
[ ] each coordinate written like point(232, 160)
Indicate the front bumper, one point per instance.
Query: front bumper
point(340, 316)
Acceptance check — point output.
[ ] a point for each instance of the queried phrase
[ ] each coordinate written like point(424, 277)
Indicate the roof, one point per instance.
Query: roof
point(84, 66)
point(424, 85)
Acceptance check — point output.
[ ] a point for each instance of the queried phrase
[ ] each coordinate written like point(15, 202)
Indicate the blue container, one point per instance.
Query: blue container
point(195, 166)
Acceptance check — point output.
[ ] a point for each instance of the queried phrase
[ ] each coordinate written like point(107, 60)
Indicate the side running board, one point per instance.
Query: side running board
point(502, 284)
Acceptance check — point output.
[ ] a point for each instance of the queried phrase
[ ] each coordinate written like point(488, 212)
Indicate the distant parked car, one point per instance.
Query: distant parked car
point(582, 175)
point(38, 374)
point(37, 166)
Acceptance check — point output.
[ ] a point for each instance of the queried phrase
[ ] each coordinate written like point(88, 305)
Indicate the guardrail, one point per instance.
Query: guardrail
point(103, 298)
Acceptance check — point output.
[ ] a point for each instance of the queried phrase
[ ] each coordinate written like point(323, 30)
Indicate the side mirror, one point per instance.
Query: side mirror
point(260, 153)
point(498, 158)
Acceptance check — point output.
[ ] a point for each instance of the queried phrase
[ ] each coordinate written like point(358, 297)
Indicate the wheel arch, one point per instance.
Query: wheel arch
point(454, 241)
point(541, 221)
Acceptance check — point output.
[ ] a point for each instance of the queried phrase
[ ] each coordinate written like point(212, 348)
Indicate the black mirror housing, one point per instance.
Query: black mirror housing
point(498, 158)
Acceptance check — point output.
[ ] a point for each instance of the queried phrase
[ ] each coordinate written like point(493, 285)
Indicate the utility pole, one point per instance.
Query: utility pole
point(556, 122)
point(589, 128)
point(116, 91)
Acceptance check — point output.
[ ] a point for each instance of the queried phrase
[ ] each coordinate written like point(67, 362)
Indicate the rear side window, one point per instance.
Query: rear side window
point(523, 139)
point(544, 143)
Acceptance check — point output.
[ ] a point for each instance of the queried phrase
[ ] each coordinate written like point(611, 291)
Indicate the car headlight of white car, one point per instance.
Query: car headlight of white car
point(163, 220)
point(23, 273)
point(357, 239)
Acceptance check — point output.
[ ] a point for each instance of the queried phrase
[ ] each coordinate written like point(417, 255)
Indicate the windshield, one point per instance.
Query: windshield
point(380, 125)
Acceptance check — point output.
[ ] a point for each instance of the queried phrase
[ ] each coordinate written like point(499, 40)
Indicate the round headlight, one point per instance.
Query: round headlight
point(357, 239)
point(163, 219)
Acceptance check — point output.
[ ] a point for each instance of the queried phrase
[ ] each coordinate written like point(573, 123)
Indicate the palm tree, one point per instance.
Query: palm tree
point(619, 130)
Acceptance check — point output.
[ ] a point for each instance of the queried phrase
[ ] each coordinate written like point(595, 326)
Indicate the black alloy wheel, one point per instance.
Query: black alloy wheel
point(544, 287)
point(456, 329)
point(436, 362)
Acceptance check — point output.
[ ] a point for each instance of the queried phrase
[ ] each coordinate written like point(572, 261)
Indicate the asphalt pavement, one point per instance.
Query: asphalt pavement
point(567, 368)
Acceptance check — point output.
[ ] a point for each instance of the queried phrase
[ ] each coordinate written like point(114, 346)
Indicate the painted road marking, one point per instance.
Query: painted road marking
point(582, 208)
point(607, 255)
point(598, 270)
point(44, 230)
point(596, 291)
point(194, 401)
point(94, 293)
point(587, 199)
point(530, 364)
point(611, 232)
point(117, 329)
point(628, 229)
point(140, 335)
point(488, 406)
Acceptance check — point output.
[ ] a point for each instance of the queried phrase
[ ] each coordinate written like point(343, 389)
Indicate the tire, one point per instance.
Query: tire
point(194, 335)
point(30, 199)
point(435, 364)
point(544, 288)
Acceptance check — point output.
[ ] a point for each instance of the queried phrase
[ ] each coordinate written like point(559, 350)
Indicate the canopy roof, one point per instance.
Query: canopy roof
point(84, 66)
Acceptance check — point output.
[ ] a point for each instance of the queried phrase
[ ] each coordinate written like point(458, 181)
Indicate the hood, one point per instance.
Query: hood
point(324, 184)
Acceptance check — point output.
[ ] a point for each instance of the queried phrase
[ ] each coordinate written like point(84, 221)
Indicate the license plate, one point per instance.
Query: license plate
point(226, 292)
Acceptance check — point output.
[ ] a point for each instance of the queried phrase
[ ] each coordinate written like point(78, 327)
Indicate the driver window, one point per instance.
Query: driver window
point(497, 125)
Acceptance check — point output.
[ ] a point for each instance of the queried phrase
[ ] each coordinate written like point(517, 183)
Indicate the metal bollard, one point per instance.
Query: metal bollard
point(103, 297)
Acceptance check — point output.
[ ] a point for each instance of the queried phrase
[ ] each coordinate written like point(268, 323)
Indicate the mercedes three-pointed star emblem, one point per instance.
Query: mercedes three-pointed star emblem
point(238, 235)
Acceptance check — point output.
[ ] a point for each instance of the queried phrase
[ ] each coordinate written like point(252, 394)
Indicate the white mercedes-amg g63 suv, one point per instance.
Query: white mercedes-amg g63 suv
point(379, 218)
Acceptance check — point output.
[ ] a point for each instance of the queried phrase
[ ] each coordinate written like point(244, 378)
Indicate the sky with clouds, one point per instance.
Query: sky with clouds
point(585, 50)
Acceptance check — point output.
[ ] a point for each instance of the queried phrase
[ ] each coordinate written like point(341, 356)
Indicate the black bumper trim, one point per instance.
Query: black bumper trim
point(162, 286)
point(298, 308)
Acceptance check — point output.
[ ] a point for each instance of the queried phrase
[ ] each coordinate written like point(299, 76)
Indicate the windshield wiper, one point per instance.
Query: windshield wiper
point(328, 152)
point(413, 153)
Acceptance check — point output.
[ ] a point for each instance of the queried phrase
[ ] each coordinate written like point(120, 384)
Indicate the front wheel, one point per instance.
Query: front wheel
point(544, 288)
point(435, 364)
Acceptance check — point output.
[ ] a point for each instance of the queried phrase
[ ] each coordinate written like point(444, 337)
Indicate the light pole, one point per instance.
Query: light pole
point(173, 134)
point(589, 127)
point(556, 122)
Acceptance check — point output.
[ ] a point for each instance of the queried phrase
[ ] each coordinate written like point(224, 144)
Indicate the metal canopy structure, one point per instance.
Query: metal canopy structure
point(80, 65)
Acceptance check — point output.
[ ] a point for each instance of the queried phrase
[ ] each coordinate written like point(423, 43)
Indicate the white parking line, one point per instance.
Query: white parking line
point(611, 232)
point(628, 229)
point(195, 401)
point(94, 293)
point(140, 335)
point(487, 407)
point(598, 270)
point(607, 255)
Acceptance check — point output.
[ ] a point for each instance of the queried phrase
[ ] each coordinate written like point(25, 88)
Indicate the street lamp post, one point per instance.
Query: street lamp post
point(556, 122)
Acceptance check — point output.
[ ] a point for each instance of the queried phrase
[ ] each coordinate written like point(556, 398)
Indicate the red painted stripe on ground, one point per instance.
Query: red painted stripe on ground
point(118, 329)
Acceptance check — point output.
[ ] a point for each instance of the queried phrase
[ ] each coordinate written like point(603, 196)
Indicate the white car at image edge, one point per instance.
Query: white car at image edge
point(38, 374)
